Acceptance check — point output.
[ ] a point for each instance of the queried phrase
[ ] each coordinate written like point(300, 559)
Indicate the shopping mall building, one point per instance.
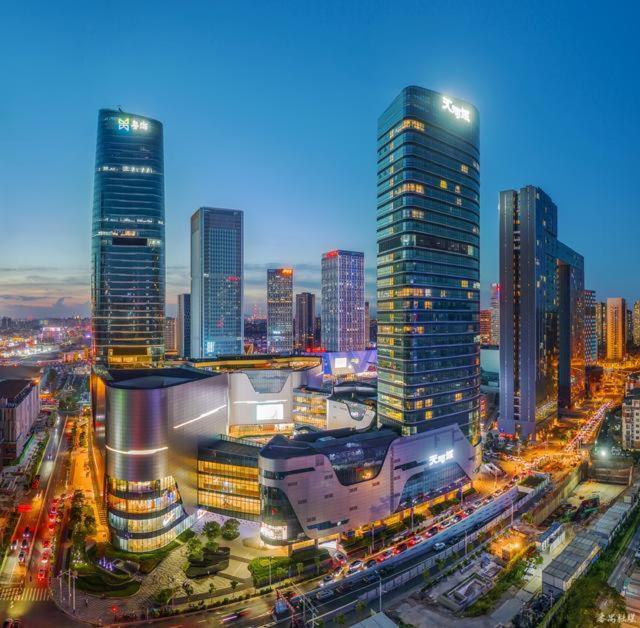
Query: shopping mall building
point(289, 443)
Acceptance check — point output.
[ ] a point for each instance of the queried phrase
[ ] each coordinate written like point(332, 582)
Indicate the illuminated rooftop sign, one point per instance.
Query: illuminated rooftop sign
point(459, 112)
point(440, 458)
point(132, 124)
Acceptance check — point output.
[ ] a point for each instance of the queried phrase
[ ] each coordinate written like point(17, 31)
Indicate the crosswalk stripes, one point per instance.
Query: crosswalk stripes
point(10, 593)
point(35, 594)
point(27, 594)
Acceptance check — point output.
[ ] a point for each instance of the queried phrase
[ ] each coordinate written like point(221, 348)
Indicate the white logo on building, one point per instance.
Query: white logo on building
point(459, 112)
point(440, 458)
point(128, 124)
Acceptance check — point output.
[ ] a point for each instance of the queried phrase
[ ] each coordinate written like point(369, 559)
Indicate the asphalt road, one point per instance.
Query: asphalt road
point(23, 594)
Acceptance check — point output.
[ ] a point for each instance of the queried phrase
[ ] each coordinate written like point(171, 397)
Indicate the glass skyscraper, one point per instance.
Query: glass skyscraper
point(183, 326)
point(428, 264)
point(343, 301)
point(280, 310)
point(590, 335)
point(542, 360)
point(127, 248)
point(217, 282)
point(305, 321)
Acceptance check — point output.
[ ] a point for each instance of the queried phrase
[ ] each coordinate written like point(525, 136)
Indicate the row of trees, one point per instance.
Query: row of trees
point(212, 530)
point(82, 523)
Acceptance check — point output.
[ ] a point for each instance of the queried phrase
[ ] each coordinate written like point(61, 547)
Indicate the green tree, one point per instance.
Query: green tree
point(211, 530)
point(317, 562)
point(187, 587)
point(212, 588)
point(194, 548)
point(300, 569)
point(90, 525)
point(339, 619)
point(234, 584)
point(163, 597)
point(231, 529)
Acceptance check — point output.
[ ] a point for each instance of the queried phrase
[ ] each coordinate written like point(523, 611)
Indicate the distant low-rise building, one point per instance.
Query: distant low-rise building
point(19, 408)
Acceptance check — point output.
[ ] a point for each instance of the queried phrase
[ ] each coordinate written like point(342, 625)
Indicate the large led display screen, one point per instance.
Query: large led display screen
point(271, 412)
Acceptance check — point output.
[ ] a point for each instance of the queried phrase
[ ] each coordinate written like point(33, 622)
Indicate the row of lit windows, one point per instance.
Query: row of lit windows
point(235, 503)
point(141, 506)
point(141, 487)
point(227, 470)
point(407, 123)
point(247, 488)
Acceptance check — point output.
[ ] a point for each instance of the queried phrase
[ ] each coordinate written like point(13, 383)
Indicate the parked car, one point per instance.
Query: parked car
point(356, 565)
point(401, 548)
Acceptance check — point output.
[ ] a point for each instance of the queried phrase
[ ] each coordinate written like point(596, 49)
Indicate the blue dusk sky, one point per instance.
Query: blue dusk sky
point(271, 107)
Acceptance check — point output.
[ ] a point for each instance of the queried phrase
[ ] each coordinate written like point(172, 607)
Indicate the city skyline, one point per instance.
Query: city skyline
point(44, 274)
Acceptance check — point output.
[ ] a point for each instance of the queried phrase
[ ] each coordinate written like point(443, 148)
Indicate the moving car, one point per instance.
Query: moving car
point(324, 594)
point(387, 554)
point(372, 562)
point(243, 612)
point(14, 544)
point(328, 579)
point(439, 546)
point(42, 574)
point(21, 556)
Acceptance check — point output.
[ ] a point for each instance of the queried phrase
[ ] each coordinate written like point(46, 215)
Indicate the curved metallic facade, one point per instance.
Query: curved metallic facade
point(154, 420)
point(127, 245)
point(317, 486)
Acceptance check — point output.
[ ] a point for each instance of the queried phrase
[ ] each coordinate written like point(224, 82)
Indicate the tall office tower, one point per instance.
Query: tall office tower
point(616, 329)
point(571, 336)
point(305, 321)
point(428, 265)
point(590, 336)
point(495, 314)
point(636, 323)
point(217, 282)
point(629, 327)
point(343, 301)
point(367, 324)
point(169, 334)
point(541, 314)
point(127, 241)
point(183, 326)
point(280, 310)
point(601, 328)
point(486, 318)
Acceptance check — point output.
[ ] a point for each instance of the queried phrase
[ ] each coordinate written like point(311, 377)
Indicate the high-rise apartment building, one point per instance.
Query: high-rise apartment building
point(280, 310)
point(127, 243)
point(495, 314)
point(183, 326)
point(590, 335)
point(629, 319)
point(305, 321)
point(343, 301)
point(367, 324)
point(601, 327)
point(217, 282)
point(542, 361)
point(616, 329)
point(428, 264)
point(169, 334)
point(636, 324)
point(486, 317)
